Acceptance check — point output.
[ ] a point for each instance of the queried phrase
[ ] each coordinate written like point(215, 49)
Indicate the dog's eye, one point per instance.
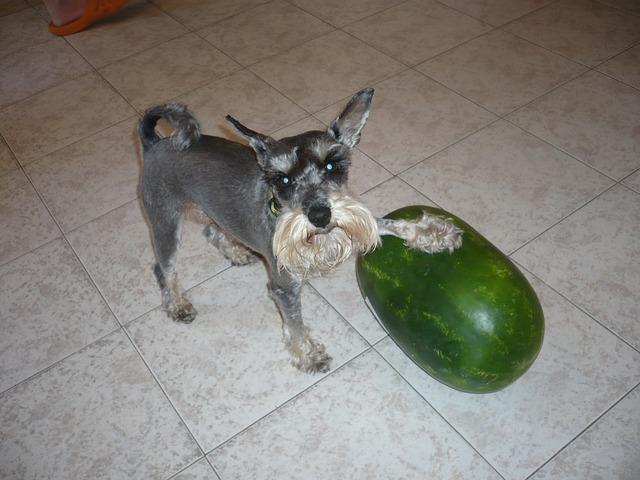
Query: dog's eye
point(329, 166)
point(285, 180)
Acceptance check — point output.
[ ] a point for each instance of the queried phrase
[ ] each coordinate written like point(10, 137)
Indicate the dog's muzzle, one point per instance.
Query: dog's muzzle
point(324, 238)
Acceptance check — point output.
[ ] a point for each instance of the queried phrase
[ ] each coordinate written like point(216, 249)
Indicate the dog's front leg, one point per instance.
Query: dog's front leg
point(430, 233)
point(306, 354)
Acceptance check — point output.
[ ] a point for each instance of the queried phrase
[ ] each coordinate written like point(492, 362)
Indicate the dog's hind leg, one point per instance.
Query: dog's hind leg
point(233, 250)
point(166, 228)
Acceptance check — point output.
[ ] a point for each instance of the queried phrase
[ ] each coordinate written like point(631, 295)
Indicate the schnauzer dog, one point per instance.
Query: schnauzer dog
point(284, 201)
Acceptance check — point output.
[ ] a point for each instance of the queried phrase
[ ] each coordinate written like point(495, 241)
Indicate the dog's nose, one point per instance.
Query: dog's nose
point(319, 216)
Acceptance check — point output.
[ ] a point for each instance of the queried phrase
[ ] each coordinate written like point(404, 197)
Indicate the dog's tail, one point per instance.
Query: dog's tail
point(186, 127)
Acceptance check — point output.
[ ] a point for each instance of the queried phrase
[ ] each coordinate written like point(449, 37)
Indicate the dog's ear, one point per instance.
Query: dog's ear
point(347, 126)
point(262, 144)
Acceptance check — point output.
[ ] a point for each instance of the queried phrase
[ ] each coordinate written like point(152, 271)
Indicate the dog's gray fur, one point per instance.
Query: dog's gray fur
point(247, 191)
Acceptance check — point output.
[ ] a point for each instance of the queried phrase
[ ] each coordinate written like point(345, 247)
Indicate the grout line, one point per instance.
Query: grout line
point(349, 23)
point(270, 56)
point(123, 326)
point(535, 9)
point(583, 431)
point(619, 9)
point(127, 323)
point(100, 130)
point(92, 282)
point(521, 266)
point(461, 139)
point(170, 14)
point(183, 469)
point(164, 392)
point(464, 439)
point(290, 400)
point(56, 83)
point(120, 325)
point(343, 100)
point(562, 150)
point(213, 467)
point(629, 187)
point(342, 317)
point(608, 75)
point(46, 369)
point(516, 250)
point(44, 158)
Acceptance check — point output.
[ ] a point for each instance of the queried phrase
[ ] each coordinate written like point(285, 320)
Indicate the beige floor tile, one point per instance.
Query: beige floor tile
point(496, 12)
point(594, 118)
point(607, 449)
point(37, 68)
point(168, 70)
point(593, 258)
point(392, 195)
point(201, 470)
point(507, 184)
point(264, 31)
point(417, 30)
point(117, 251)
point(49, 309)
point(197, 14)
point(342, 12)
point(361, 423)
point(326, 69)
point(25, 223)
point(130, 31)
point(583, 30)
point(340, 288)
point(237, 334)
point(364, 173)
point(245, 97)
point(625, 67)
point(413, 117)
point(60, 116)
point(98, 414)
point(91, 177)
point(22, 29)
point(580, 372)
point(631, 5)
point(7, 160)
point(500, 71)
point(633, 181)
point(8, 7)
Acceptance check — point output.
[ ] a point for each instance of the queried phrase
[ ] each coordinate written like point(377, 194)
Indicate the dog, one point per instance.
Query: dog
point(283, 201)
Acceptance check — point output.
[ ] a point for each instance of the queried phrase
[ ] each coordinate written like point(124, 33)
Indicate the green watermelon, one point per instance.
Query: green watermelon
point(470, 318)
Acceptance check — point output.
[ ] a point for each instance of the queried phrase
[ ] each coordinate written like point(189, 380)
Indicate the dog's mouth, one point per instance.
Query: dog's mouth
point(321, 231)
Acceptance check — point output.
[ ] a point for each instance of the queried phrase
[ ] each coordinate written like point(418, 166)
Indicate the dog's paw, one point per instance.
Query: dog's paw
point(435, 234)
point(309, 356)
point(183, 313)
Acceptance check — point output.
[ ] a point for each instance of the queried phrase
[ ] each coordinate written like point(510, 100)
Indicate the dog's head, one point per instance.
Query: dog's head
point(319, 224)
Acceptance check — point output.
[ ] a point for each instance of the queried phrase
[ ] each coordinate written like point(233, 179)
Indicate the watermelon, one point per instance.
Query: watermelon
point(470, 319)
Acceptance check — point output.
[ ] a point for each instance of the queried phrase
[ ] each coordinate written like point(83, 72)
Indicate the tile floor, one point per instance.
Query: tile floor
point(521, 116)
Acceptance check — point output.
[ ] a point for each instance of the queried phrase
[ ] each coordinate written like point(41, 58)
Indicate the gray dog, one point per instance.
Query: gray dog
point(284, 201)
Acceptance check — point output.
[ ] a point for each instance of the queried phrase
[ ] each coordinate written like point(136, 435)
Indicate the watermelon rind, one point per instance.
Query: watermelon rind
point(470, 318)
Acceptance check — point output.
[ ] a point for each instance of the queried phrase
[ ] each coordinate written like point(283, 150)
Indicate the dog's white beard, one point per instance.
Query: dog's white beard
point(300, 251)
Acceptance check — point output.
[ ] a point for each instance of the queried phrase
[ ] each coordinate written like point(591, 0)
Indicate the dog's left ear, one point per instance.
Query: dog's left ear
point(260, 143)
point(347, 126)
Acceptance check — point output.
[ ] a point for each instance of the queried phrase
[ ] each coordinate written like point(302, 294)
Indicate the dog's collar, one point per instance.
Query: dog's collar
point(274, 205)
